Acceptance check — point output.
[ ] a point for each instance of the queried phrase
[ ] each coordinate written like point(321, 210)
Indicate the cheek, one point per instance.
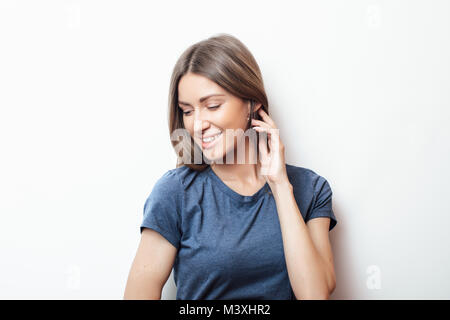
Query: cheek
point(236, 125)
point(231, 120)
point(229, 114)
point(189, 126)
point(232, 140)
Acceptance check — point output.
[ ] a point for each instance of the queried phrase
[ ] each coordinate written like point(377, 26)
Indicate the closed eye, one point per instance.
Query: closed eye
point(213, 107)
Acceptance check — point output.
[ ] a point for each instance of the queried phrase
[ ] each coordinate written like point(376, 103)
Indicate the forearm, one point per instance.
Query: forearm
point(306, 268)
point(140, 286)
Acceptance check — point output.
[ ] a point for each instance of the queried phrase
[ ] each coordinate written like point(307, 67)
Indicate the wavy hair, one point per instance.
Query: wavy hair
point(225, 60)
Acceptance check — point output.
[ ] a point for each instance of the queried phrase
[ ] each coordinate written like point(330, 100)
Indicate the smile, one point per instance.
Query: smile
point(210, 141)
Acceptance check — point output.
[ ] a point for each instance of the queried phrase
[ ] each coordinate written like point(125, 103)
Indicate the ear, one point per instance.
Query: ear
point(256, 106)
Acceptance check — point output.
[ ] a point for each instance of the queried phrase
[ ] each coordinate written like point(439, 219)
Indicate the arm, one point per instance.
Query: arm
point(151, 267)
point(319, 230)
point(307, 251)
point(306, 248)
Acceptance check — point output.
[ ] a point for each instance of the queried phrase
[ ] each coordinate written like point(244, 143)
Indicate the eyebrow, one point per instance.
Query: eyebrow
point(201, 99)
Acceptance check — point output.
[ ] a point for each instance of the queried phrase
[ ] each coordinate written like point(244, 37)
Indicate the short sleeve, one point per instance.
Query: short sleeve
point(322, 206)
point(162, 208)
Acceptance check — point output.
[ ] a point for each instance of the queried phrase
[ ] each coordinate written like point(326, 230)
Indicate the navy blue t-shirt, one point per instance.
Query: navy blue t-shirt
point(229, 245)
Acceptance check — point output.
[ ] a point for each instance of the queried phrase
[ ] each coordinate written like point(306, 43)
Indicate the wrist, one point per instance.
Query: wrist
point(282, 186)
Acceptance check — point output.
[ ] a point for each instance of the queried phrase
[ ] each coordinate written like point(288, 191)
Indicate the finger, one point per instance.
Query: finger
point(261, 123)
point(263, 146)
point(273, 135)
point(266, 117)
point(274, 140)
point(264, 134)
point(267, 130)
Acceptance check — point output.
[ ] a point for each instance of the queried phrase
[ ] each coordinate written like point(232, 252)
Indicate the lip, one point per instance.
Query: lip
point(211, 135)
point(207, 145)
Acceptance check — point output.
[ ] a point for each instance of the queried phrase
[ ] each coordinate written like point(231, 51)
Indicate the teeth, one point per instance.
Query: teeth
point(211, 138)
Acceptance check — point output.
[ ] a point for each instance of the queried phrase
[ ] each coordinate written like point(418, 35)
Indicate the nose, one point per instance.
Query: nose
point(201, 123)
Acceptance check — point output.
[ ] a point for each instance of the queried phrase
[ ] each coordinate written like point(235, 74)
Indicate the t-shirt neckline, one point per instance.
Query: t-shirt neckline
point(237, 196)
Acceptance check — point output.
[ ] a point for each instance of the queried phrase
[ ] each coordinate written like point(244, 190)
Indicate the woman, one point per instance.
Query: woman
point(231, 227)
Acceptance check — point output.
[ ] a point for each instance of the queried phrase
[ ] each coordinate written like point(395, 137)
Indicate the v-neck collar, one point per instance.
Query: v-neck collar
point(237, 196)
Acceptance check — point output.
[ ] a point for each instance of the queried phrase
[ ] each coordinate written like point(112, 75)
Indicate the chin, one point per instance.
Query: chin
point(216, 157)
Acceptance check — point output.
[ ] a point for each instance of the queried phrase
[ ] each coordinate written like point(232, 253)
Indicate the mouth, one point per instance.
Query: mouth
point(211, 141)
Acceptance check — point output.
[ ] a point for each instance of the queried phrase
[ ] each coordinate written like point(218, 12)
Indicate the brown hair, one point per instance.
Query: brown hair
point(225, 60)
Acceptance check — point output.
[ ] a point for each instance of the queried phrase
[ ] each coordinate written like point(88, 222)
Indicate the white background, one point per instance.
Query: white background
point(359, 90)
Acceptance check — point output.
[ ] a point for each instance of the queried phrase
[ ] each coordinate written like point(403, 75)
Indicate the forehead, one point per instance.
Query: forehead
point(192, 87)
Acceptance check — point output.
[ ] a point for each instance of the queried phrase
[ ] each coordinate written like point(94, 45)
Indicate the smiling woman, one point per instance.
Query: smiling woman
point(231, 229)
point(214, 83)
point(217, 120)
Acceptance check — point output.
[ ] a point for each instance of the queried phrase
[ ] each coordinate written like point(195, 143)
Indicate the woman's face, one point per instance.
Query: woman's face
point(220, 115)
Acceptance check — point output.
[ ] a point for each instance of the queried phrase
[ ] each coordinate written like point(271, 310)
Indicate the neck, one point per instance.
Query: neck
point(246, 172)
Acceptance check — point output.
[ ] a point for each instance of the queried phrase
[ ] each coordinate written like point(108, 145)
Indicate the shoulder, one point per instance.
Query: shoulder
point(166, 189)
point(307, 183)
point(188, 177)
point(166, 192)
point(169, 180)
point(312, 193)
point(304, 177)
point(179, 179)
point(171, 187)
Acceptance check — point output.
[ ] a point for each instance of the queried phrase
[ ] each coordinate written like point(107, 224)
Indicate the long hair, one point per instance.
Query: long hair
point(225, 60)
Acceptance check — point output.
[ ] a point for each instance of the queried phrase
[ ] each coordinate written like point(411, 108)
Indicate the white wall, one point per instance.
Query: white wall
point(360, 90)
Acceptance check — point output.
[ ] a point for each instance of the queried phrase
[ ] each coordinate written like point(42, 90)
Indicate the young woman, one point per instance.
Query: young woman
point(231, 228)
